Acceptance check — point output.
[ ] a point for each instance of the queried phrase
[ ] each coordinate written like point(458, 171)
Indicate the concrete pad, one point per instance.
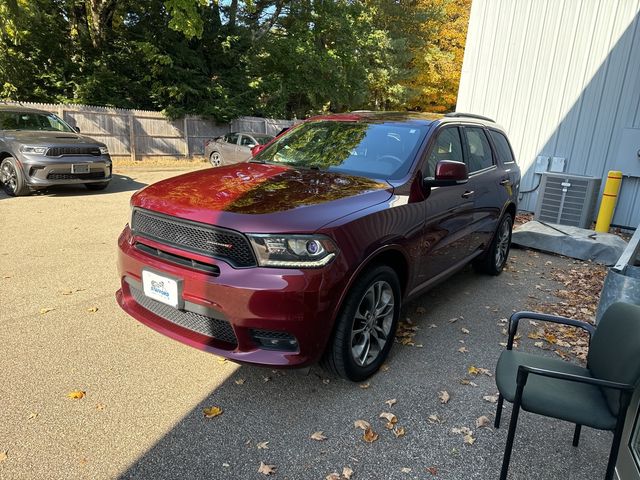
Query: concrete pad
point(573, 242)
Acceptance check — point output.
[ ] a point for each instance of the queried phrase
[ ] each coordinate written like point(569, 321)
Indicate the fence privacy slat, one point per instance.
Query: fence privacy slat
point(142, 133)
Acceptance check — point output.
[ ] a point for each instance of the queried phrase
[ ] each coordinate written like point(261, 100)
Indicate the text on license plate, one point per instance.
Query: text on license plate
point(160, 288)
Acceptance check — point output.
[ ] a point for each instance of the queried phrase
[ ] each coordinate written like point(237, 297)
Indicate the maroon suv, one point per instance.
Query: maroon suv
point(307, 251)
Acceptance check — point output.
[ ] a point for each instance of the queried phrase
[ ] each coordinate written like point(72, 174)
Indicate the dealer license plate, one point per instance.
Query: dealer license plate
point(80, 168)
point(160, 288)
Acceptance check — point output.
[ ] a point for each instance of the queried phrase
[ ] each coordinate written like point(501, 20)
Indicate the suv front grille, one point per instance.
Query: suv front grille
point(217, 242)
point(211, 327)
point(76, 176)
point(62, 151)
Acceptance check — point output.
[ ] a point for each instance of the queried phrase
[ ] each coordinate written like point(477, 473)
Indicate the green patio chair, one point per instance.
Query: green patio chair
point(596, 396)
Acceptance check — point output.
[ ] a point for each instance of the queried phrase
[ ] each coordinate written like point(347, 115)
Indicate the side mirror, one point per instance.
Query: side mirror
point(77, 129)
point(448, 172)
point(256, 149)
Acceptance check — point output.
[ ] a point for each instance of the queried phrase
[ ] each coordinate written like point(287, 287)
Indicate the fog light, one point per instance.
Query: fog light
point(272, 340)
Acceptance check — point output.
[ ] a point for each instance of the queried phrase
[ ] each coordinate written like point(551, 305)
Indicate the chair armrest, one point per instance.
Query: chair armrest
point(525, 370)
point(543, 317)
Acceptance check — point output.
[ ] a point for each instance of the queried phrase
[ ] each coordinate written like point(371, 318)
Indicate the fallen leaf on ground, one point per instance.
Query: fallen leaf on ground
point(483, 421)
point(444, 396)
point(76, 394)
point(433, 325)
point(318, 436)
point(370, 436)
point(262, 445)
point(363, 424)
point(67, 292)
point(390, 418)
point(468, 439)
point(32, 415)
point(384, 367)
point(46, 310)
point(3, 455)
point(466, 381)
point(347, 472)
point(463, 350)
point(465, 331)
point(100, 406)
point(539, 344)
point(432, 470)
point(434, 419)
point(405, 470)
point(399, 432)
point(421, 310)
point(212, 411)
point(92, 310)
point(240, 381)
point(364, 385)
point(391, 402)
point(451, 320)
point(333, 476)
point(490, 398)
point(326, 381)
point(266, 469)
point(462, 431)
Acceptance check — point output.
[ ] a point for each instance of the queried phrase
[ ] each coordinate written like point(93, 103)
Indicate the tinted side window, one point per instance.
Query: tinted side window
point(246, 141)
point(502, 147)
point(447, 147)
point(232, 138)
point(480, 156)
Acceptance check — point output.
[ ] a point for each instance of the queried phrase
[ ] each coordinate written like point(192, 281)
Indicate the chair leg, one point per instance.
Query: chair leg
point(512, 433)
point(576, 435)
point(625, 398)
point(496, 423)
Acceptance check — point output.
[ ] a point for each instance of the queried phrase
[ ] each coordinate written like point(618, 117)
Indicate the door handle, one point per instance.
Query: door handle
point(506, 181)
point(467, 194)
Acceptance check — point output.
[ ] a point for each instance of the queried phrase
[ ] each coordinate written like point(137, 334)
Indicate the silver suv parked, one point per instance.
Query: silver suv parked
point(39, 150)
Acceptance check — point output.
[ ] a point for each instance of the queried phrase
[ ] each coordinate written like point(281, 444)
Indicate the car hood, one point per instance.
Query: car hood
point(260, 198)
point(39, 137)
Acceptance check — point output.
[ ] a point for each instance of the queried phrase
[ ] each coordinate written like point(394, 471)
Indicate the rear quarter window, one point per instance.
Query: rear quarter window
point(503, 149)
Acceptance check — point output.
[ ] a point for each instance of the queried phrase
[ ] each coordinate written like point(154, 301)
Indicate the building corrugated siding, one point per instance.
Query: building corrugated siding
point(563, 78)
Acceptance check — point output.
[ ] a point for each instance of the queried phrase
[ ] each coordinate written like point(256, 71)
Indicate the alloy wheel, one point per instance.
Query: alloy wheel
point(502, 246)
point(9, 176)
point(372, 323)
point(216, 159)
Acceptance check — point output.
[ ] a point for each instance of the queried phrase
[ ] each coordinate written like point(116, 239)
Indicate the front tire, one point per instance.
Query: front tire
point(12, 178)
point(366, 326)
point(494, 260)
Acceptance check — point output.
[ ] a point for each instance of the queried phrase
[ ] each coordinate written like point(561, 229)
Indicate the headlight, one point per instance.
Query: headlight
point(293, 251)
point(33, 150)
point(104, 151)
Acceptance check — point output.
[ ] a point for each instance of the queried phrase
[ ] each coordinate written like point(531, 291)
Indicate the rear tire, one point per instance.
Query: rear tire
point(12, 178)
point(97, 186)
point(494, 260)
point(216, 159)
point(366, 326)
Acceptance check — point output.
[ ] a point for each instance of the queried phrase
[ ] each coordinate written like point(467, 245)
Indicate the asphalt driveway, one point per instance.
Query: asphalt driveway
point(142, 414)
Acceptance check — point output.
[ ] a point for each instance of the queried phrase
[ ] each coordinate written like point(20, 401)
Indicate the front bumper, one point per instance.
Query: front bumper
point(42, 171)
point(297, 303)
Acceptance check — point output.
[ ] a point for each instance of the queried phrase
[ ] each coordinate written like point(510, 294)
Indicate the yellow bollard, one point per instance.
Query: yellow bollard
point(609, 200)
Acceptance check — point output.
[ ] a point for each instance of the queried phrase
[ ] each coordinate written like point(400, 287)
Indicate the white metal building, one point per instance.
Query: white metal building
point(563, 78)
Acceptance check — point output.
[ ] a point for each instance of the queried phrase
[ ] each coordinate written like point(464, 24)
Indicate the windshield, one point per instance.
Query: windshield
point(374, 150)
point(32, 121)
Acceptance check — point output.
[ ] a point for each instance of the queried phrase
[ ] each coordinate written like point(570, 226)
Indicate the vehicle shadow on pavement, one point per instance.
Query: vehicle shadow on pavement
point(285, 407)
point(119, 183)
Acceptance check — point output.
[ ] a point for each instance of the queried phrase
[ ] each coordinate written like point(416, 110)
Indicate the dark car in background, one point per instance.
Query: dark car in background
point(308, 251)
point(39, 150)
point(233, 147)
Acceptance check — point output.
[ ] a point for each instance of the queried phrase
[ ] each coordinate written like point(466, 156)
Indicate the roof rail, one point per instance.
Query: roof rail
point(470, 115)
